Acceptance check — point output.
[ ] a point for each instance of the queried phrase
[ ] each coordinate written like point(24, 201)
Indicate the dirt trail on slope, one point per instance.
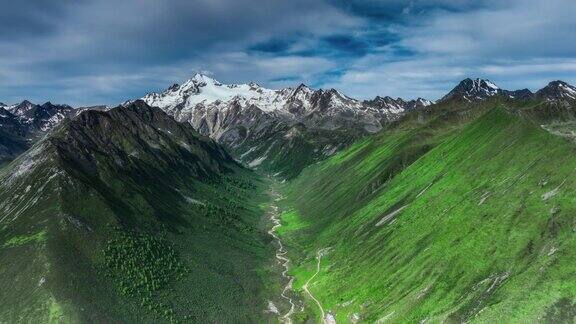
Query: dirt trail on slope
point(325, 319)
point(280, 256)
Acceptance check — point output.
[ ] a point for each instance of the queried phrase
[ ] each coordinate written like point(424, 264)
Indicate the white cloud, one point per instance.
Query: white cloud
point(513, 29)
point(517, 43)
point(109, 51)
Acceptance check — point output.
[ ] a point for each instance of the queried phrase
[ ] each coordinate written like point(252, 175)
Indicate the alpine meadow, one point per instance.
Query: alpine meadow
point(295, 173)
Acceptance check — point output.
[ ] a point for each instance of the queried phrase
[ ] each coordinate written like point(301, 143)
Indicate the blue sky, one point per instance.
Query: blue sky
point(86, 52)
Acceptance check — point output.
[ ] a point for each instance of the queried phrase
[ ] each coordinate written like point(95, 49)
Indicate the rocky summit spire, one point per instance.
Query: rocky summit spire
point(473, 90)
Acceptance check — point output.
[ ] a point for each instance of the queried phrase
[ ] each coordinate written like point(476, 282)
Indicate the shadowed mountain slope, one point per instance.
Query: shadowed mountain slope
point(129, 216)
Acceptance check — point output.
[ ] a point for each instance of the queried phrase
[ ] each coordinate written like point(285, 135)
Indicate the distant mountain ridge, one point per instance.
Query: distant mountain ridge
point(277, 129)
point(273, 130)
point(40, 118)
point(21, 124)
point(557, 91)
point(198, 98)
point(470, 90)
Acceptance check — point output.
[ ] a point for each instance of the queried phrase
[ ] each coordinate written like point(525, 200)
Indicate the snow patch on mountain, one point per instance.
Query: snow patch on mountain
point(557, 91)
point(473, 90)
point(39, 118)
point(213, 107)
point(202, 89)
point(568, 90)
point(249, 119)
point(28, 162)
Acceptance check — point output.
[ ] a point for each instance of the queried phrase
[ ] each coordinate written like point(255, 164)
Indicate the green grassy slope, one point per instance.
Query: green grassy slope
point(128, 216)
point(441, 221)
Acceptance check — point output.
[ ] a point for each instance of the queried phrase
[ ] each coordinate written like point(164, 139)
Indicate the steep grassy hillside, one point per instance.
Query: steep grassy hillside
point(285, 151)
point(440, 220)
point(129, 216)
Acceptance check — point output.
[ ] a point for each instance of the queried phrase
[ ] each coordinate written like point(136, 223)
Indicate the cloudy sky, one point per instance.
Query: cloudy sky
point(85, 52)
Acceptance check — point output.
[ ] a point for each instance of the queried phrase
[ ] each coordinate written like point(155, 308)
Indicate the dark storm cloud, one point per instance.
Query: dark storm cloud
point(347, 43)
point(29, 18)
point(273, 46)
point(88, 52)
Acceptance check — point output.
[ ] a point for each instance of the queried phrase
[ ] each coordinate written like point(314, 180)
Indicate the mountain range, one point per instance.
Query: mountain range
point(277, 131)
point(282, 131)
point(23, 123)
point(477, 90)
point(235, 203)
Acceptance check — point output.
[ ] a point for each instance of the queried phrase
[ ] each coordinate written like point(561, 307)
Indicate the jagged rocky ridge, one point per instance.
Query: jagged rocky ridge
point(282, 131)
point(277, 130)
point(123, 137)
point(476, 90)
point(209, 106)
point(21, 124)
point(137, 131)
point(39, 118)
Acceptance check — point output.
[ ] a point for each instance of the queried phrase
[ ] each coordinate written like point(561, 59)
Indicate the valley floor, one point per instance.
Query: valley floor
point(299, 304)
point(284, 262)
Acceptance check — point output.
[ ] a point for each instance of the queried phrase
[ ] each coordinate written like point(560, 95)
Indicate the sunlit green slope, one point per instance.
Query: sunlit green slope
point(452, 218)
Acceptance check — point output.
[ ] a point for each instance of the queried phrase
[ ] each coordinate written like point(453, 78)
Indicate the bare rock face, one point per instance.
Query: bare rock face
point(23, 123)
point(40, 118)
point(557, 91)
point(473, 90)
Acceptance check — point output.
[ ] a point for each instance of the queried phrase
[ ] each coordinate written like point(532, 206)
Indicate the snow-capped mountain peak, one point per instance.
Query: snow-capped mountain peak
point(568, 90)
point(557, 90)
point(302, 91)
point(487, 83)
point(235, 114)
point(473, 90)
point(252, 120)
point(39, 118)
point(245, 116)
point(418, 103)
point(469, 90)
point(204, 90)
point(22, 108)
point(398, 105)
point(424, 102)
point(203, 78)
